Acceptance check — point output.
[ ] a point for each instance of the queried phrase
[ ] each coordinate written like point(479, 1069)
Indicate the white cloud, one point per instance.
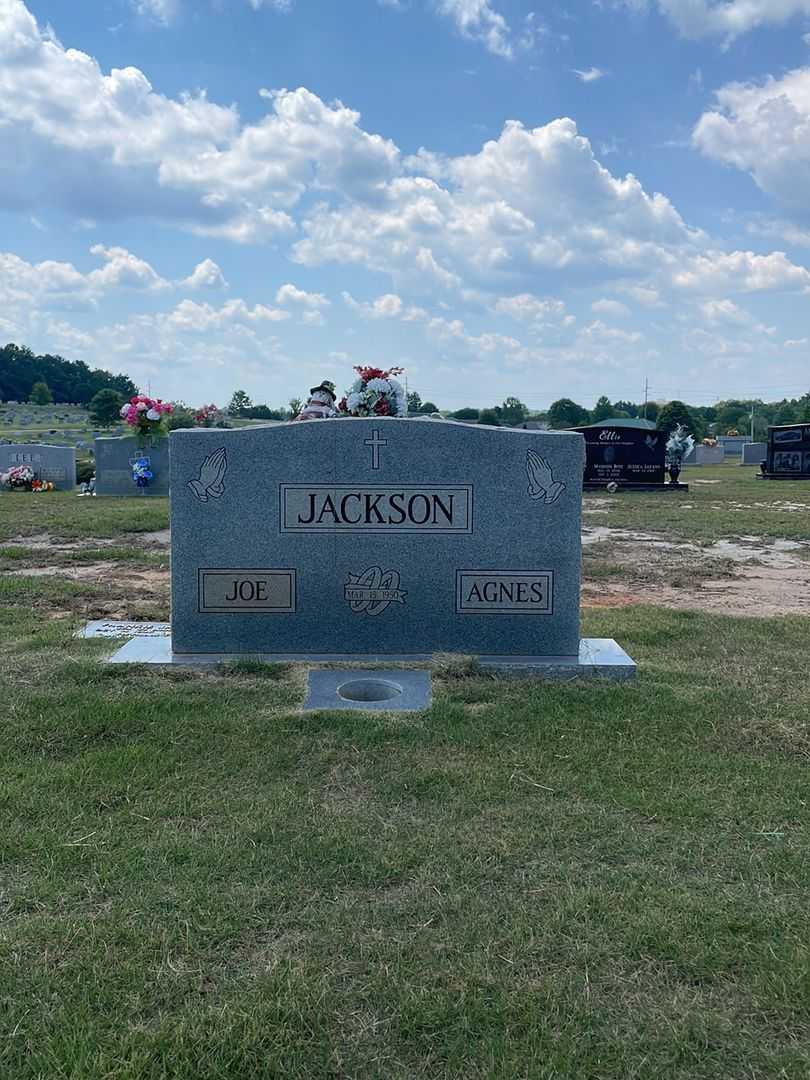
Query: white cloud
point(184, 160)
point(764, 129)
point(50, 284)
point(192, 317)
point(205, 275)
point(741, 271)
point(725, 18)
point(123, 269)
point(162, 11)
point(478, 20)
point(610, 307)
point(528, 308)
point(388, 306)
point(591, 75)
point(289, 294)
point(282, 6)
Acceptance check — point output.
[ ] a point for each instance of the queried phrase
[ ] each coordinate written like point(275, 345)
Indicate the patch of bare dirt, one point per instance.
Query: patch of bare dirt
point(749, 575)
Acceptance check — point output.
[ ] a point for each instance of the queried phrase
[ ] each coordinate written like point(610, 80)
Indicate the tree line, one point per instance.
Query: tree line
point(26, 376)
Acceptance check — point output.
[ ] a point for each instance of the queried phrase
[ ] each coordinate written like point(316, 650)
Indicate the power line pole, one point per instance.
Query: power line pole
point(646, 393)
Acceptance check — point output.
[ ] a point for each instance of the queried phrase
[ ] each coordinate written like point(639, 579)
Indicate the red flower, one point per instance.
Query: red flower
point(382, 408)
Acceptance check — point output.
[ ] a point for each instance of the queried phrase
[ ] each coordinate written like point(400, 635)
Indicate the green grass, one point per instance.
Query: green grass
point(738, 504)
point(528, 880)
point(63, 514)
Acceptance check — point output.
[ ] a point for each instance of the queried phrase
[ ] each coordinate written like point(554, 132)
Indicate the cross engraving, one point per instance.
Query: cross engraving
point(375, 442)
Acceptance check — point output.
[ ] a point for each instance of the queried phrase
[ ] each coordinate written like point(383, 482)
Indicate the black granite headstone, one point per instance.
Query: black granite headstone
point(626, 454)
point(788, 455)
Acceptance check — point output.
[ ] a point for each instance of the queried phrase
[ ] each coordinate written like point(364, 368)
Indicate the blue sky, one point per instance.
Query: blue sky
point(504, 198)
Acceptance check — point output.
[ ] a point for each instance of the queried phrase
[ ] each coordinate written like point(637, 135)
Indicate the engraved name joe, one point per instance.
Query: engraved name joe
point(513, 592)
point(359, 508)
point(242, 590)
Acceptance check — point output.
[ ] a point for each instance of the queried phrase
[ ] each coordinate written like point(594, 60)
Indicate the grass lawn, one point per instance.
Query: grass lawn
point(542, 881)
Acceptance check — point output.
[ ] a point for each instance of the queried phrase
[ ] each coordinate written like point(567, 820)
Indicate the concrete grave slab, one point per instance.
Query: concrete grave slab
point(113, 628)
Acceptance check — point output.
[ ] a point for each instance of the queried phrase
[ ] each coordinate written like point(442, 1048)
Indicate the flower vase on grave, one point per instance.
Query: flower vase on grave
point(674, 471)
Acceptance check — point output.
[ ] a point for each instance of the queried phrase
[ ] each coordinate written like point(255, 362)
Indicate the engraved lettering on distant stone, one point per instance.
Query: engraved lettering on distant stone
point(371, 592)
point(504, 592)
point(375, 442)
point(244, 590)
point(542, 484)
point(211, 482)
point(446, 509)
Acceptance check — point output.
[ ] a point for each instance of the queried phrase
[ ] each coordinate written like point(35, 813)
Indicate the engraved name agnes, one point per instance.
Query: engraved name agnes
point(512, 592)
point(359, 508)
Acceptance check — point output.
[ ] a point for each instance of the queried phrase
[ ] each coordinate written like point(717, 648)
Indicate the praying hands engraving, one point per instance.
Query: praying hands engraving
point(542, 484)
point(210, 484)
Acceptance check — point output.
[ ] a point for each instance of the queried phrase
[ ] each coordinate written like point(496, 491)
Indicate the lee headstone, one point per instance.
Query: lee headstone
point(380, 537)
point(54, 463)
point(114, 460)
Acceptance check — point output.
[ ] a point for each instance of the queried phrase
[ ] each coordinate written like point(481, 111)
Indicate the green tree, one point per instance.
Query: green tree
point(674, 413)
point(427, 407)
point(40, 394)
point(414, 402)
point(565, 413)
point(489, 416)
point(239, 403)
point(295, 406)
point(182, 417)
point(513, 412)
point(602, 410)
point(465, 414)
point(733, 414)
point(105, 407)
point(803, 408)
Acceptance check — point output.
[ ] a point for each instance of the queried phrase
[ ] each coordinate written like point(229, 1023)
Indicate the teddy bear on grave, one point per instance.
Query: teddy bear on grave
point(321, 403)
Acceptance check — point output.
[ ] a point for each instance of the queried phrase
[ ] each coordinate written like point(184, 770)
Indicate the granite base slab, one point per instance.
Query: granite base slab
point(368, 691)
point(598, 657)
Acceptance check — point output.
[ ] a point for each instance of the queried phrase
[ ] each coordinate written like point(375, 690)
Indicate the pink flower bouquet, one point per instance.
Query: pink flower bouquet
point(145, 415)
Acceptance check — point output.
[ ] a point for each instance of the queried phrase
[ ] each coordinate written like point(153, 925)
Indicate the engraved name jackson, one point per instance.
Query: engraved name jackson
point(358, 508)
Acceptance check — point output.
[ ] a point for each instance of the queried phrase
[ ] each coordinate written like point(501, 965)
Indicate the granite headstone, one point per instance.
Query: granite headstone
point(625, 452)
point(376, 536)
point(753, 453)
point(56, 464)
point(788, 452)
point(114, 460)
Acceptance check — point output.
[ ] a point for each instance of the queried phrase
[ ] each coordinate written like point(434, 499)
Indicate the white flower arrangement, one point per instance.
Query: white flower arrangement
point(679, 444)
point(375, 393)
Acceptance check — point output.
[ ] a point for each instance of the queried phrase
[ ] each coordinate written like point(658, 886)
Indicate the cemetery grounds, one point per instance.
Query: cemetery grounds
point(598, 880)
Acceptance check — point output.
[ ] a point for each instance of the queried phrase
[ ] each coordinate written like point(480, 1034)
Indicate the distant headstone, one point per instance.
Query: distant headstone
point(377, 537)
point(732, 444)
point(630, 453)
point(54, 463)
point(788, 452)
point(754, 453)
point(115, 458)
point(705, 455)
